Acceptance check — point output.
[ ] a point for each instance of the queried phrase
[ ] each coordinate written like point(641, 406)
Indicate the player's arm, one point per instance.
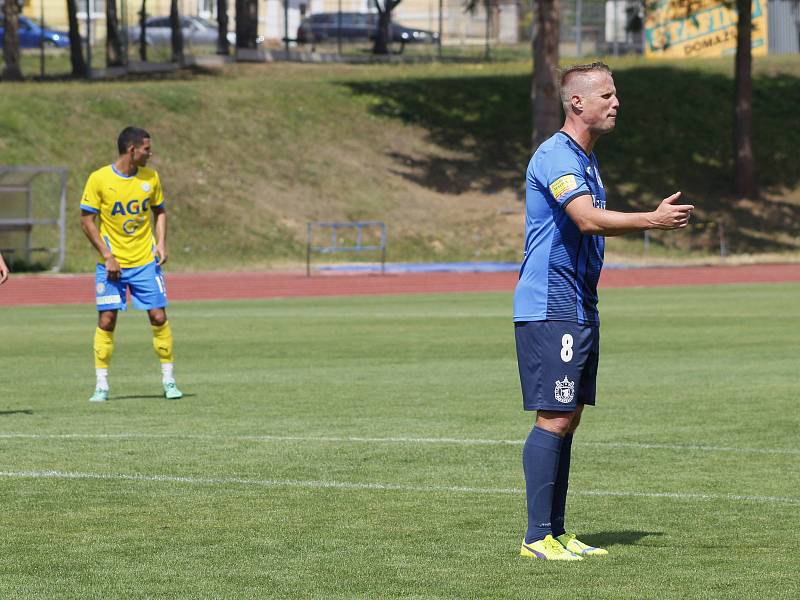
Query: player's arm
point(3, 270)
point(90, 229)
point(161, 233)
point(597, 221)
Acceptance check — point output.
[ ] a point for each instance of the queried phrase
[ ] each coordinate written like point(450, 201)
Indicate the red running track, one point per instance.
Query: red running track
point(31, 290)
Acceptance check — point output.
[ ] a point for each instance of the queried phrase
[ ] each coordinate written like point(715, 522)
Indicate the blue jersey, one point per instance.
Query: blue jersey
point(561, 266)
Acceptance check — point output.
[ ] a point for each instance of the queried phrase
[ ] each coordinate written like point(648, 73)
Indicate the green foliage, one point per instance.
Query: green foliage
point(282, 394)
point(249, 154)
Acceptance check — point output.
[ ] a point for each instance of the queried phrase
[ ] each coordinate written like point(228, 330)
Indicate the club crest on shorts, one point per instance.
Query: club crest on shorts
point(565, 391)
point(101, 287)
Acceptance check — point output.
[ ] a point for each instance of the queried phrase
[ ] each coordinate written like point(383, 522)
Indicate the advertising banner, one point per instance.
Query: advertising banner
point(707, 29)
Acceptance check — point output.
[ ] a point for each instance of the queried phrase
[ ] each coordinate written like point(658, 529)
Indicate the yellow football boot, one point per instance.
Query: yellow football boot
point(547, 549)
point(574, 545)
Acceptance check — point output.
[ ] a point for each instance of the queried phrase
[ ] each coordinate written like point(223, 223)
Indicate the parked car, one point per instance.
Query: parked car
point(322, 27)
point(31, 35)
point(196, 31)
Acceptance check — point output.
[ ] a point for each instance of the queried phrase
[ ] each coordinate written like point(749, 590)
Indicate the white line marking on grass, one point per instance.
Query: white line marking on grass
point(389, 440)
point(643, 446)
point(400, 487)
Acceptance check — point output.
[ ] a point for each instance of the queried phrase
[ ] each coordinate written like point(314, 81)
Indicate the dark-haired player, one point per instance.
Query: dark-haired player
point(122, 196)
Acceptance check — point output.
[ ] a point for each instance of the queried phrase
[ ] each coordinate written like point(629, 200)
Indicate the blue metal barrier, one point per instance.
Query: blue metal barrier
point(334, 242)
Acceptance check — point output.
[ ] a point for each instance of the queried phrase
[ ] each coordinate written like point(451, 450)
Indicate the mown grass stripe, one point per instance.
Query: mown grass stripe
point(391, 440)
point(366, 486)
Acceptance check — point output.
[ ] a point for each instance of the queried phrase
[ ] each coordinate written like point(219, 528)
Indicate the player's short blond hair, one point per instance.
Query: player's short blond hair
point(571, 77)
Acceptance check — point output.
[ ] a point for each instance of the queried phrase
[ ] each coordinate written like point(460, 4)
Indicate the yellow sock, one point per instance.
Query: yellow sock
point(162, 342)
point(103, 348)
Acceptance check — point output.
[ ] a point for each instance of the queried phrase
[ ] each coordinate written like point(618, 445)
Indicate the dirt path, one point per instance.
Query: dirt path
point(22, 290)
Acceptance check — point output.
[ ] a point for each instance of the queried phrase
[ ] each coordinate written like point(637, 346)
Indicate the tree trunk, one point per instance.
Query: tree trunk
point(746, 185)
point(143, 32)
point(488, 5)
point(113, 43)
point(223, 46)
point(177, 32)
point(12, 70)
point(383, 33)
point(75, 42)
point(544, 92)
point(247, 24)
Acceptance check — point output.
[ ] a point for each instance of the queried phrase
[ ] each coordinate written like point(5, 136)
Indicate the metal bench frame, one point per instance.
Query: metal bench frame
point(335, 246)
point(27, 222)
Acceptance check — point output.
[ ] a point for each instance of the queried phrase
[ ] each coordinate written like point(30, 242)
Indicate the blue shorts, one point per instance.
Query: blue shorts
point(557, 364)
point(146, 284)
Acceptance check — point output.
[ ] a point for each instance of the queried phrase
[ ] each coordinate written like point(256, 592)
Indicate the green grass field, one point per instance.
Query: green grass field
point(370, 448)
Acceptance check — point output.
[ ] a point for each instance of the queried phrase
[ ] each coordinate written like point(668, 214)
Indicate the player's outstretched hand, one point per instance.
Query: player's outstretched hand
point(670, 215)
point(161, 252)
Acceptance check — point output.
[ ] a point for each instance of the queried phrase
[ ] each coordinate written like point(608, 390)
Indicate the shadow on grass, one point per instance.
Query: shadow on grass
point(64, 74)
point(482, 120)
point(22, 411)
point(148, 397)
point(674, 133)
point(606, 539)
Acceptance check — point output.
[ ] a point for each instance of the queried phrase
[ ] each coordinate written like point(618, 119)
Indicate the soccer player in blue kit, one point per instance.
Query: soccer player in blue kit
point(556, 322)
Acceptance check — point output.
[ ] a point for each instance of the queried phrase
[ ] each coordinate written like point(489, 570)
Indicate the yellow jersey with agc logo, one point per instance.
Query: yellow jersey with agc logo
point(124, 205)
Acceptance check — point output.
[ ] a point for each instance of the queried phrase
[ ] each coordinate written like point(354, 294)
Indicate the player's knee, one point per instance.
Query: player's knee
point(157, 318)
point(559, 425)
point(107, 321)
point(561, 428)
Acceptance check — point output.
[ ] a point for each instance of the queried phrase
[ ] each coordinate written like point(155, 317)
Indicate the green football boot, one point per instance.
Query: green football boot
point(574, 545)
point(99, 396)
point(171, 391)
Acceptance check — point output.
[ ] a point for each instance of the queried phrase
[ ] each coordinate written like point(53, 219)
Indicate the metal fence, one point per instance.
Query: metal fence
point(446, 28)
point(494, 29)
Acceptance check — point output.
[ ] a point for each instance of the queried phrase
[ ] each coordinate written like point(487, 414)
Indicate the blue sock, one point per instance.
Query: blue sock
point(540, 463)
point(560, 490)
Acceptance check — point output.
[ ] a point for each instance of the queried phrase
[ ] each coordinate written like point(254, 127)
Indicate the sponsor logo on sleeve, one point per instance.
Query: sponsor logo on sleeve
point(563, 185)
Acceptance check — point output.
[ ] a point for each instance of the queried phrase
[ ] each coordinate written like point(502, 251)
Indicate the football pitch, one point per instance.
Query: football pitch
point(370, 447)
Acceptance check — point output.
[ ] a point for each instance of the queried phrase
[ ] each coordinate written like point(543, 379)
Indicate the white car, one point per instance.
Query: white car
point(196, 32)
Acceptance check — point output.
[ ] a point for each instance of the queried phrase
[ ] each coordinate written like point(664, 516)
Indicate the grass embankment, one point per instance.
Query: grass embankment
point(370, 448)
point(249, 154)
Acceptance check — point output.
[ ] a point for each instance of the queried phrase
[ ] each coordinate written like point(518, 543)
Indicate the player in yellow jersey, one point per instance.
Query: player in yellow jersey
point(122, 196)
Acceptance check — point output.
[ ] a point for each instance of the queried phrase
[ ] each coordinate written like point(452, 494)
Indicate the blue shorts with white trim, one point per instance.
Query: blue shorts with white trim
point(146, 284)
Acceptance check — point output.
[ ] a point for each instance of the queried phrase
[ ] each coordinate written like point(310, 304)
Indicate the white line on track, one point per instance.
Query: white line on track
point(341, 485)
point(390, 440)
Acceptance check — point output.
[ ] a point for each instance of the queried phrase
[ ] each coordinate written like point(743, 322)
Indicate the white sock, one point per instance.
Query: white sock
point(102, 379)
point(166, 373)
